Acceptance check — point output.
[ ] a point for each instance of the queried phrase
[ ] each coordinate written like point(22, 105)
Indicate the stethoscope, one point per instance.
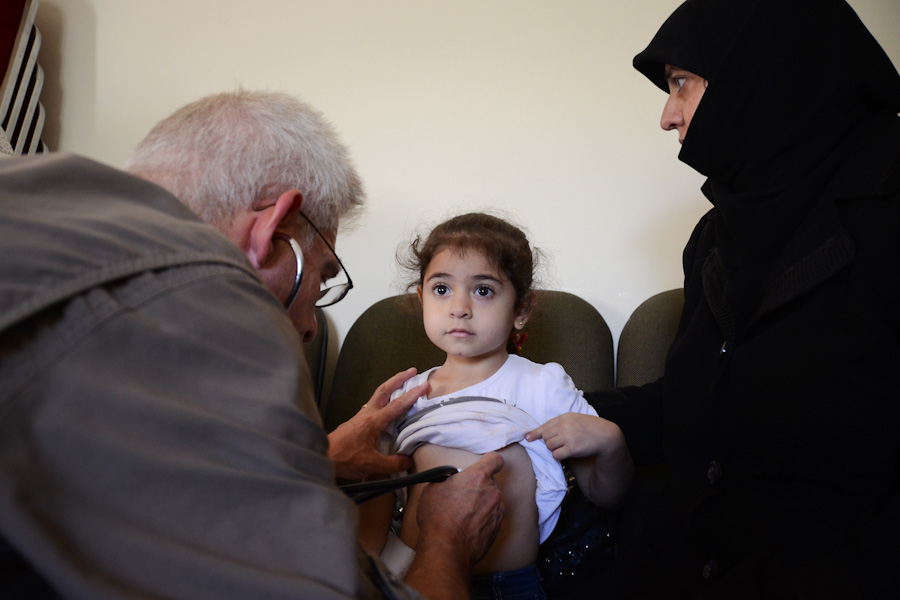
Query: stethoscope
point(362, 492)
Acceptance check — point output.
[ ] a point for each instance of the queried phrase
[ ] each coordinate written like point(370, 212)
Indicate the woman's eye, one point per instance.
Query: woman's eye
point(440, 289)
point(679, 81)
point(483, 291)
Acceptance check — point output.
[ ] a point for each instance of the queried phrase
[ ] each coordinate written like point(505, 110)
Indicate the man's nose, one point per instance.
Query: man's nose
point(308, 329)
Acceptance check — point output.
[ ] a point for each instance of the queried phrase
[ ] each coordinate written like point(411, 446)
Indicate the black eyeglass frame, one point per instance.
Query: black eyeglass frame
point(346, 287)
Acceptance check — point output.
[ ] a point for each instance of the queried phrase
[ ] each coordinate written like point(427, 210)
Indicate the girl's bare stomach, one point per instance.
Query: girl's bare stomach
point(516, 545)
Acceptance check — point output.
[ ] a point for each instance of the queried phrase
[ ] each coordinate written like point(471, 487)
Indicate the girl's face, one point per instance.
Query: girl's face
point(469, 307)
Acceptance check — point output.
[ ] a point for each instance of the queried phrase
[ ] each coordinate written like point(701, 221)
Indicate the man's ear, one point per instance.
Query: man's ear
point(266, 222)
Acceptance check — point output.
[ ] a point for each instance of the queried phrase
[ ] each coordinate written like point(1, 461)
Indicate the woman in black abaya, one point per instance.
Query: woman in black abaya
point(778, 417)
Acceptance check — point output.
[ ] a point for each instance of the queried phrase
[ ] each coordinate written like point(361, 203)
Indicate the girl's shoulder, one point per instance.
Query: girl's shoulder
point(412, 382)
point(546, 388)
point(551, 373)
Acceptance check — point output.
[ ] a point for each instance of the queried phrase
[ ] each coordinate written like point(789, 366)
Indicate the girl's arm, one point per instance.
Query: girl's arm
point(602, 463)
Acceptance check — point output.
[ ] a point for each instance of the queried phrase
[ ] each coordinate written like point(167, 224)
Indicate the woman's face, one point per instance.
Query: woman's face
point(685, 92)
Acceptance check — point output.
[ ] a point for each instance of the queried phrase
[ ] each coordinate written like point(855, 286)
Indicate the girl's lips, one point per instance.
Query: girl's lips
point(459, 332)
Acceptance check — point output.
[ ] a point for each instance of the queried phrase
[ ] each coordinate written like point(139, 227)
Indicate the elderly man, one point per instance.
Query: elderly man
point(158, 435)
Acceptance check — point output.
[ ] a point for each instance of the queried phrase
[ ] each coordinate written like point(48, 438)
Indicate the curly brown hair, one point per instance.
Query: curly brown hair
point(504, 245)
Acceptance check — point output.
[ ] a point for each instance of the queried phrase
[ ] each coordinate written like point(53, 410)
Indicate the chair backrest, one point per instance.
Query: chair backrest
point(389, 337)
point(646, 338)
point(317, 355)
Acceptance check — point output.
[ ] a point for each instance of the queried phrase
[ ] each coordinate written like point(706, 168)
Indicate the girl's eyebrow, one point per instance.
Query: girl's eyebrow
point(487, 277)
point(482, 277)
point(438, 276)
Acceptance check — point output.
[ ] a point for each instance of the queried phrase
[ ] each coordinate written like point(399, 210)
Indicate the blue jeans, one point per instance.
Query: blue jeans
point(522, 584)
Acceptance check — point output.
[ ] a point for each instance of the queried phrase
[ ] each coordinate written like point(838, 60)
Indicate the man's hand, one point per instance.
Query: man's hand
point(458, 521)
point(465, 510)
point(353, 446)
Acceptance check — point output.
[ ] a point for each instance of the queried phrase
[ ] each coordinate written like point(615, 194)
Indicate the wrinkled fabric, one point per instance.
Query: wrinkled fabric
point(789, 83)
point(158, 436)
point(480, 427)
point(528, 395)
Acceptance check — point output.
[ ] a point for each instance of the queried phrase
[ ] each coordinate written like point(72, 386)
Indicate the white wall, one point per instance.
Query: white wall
point(530, 106)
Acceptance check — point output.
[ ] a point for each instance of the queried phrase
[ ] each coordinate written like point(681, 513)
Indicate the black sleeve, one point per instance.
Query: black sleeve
point(638, 412)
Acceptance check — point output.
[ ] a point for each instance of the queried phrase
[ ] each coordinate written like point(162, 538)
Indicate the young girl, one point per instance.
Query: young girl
point(475, 274)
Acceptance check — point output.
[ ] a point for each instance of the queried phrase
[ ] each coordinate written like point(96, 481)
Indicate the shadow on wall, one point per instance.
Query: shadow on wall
point(56, 20)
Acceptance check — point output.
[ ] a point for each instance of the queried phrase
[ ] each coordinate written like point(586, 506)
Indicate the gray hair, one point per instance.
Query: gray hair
point(227, 152)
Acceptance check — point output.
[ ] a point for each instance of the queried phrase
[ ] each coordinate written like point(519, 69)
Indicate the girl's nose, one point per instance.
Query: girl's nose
point(460, 309)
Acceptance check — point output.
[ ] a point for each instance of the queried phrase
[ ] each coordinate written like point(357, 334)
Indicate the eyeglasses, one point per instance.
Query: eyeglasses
point(332, 290)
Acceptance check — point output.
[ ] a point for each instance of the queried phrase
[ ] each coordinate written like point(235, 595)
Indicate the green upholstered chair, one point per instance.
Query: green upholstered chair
point(389, 337)
point(646, 337)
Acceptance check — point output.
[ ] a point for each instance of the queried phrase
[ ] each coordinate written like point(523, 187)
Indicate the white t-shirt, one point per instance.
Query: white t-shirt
point(495, 413)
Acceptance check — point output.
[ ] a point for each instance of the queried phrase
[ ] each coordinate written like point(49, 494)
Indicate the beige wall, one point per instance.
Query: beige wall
point(529, 106)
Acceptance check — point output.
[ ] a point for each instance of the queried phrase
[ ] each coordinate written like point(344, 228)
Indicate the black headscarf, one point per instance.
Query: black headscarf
point(791, 85)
